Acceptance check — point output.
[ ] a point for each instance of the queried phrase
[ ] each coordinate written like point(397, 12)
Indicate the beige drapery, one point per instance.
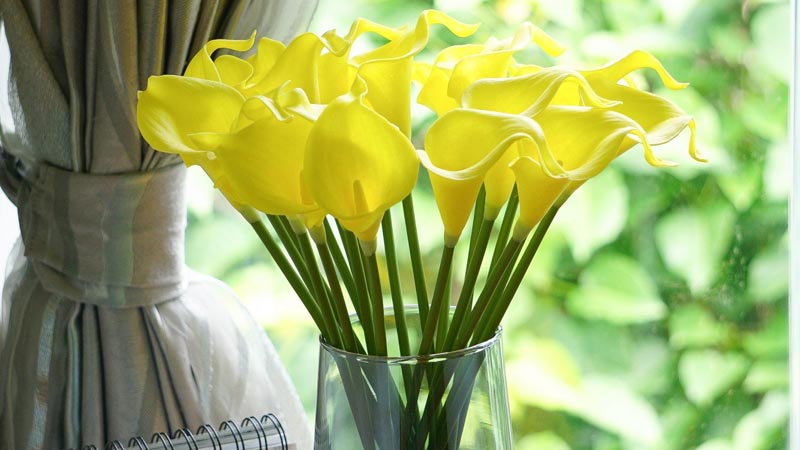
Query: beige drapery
point(104, 333)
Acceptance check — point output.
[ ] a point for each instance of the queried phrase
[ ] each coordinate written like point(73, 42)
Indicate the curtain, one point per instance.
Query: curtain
point(104, 332)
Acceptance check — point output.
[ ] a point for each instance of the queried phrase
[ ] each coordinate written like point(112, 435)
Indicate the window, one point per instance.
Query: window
point(656, 316)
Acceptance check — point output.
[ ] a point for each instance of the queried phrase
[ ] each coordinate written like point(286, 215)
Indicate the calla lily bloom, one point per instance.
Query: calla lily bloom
point(462, 137)
point(388, 69)
point(171, 124)
point(358, 164)
point(457, 67)
point(252, 149)
point(580, 154)
point(226, 69)
point(461, 147)
point(661, 119)
point(265, 162)
point(324, 74)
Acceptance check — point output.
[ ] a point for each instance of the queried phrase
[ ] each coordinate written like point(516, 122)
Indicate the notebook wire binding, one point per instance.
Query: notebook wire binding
point(252, 434)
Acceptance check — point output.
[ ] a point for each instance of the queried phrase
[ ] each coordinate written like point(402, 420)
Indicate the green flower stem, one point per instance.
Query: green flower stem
point(320, 289)
point(340, 261)
point(285, 232)
point(417, 268)
point(289, 240)
point(444, 317)
point(428, 334)
point(493, 321)
point(394, 284)
point(505, 263)
point(483, 328)
point(291, 276)
point(378, 319)
point(477, 219)
point(464, 305)
point(505, 227)
point(349, 337)
point(287, 225)
point(438, 300)
point(360, 301)
point(399, 316)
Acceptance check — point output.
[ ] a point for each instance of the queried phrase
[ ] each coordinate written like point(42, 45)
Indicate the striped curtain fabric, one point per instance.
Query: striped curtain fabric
point(104, 334)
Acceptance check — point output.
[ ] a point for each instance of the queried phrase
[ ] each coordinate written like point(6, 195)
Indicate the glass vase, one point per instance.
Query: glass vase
point(445, 401)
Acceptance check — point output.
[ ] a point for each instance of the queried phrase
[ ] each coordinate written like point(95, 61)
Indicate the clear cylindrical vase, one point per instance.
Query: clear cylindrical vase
point(446, 401)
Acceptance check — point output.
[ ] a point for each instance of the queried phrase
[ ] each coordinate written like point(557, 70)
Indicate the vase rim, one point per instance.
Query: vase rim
point(412, 359)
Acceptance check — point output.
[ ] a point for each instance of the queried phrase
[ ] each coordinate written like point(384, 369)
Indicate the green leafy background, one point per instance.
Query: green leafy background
point(655, 314)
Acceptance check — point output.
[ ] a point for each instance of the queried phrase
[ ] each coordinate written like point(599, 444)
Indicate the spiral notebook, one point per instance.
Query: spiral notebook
point(252, 434)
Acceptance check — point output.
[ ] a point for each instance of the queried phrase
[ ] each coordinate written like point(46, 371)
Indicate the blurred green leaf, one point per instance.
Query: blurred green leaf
point(615, 288)
point(201, 202)
point(217, 244)
point(676, 11)
point(764, 115)
point(694, 326)
point(777, 171)
point(651, 370)
point(767, 375)
point(679, 418)
point(764, 427)
point(611, 404)
point(768, 274)
point(563, 12)
point(542, 441)
point(547, 377)
point(594, 215)
point(770, 54)
point(694, 241)
point(771, 341)
point(716, 444)
point(707, 374)
point(741, 187)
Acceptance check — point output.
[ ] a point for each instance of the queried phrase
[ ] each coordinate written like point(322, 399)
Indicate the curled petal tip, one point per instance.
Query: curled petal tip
point(649, 155)
point(549, 44)
point(695, 152)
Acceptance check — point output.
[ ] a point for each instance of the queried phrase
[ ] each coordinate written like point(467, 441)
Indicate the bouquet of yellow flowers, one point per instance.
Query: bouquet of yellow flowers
point(319, 141)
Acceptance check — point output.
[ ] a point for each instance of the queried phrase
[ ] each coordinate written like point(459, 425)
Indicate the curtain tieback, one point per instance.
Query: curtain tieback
point(111, 240)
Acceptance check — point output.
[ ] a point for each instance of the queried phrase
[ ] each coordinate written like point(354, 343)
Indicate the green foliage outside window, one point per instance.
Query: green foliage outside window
point(655, 315)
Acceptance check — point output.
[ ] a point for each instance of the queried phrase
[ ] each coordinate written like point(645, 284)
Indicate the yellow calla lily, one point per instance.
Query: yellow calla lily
point(388, 69)
point(661, 119)
point(358, 164)
point(171, 124)
point(325, 72)
point(436, 78)
point(463, 147)
point(265, 161)
point(202, 66)
point(531, 93)
point(462, 137)
point(580, 155)
point(457, 67)
point(166, 119)
point(336, 72)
